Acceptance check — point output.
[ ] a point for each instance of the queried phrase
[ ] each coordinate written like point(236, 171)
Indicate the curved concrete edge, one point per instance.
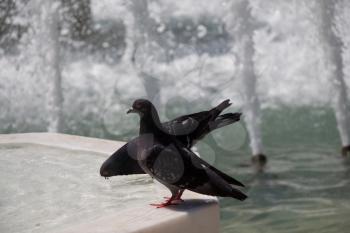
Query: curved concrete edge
point(198, 214)
point(67, 141)
point(193, 216)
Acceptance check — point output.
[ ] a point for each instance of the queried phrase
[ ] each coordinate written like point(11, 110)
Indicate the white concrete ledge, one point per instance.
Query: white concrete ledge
point(67, 141)
point(195, 215)
point(198, 214)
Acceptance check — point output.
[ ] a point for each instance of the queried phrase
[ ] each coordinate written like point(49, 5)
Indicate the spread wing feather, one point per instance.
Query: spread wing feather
point(180, 167)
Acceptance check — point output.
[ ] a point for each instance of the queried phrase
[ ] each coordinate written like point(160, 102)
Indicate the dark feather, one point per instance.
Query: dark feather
point(176, 166)
point(225, 119)
point(188, 129)
point(121, 162)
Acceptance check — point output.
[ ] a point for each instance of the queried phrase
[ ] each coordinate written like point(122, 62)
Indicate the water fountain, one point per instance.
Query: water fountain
point(333, 56)
point(244, 51)
point(279, 62)
point(245, 79)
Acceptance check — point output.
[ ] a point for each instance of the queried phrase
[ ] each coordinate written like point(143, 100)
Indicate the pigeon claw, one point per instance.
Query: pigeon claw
point(164, 204)
point(174, 200)
point(170, 201)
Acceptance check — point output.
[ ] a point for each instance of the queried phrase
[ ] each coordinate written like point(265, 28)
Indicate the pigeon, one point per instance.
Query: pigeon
point(171, 162)
point(189, 129)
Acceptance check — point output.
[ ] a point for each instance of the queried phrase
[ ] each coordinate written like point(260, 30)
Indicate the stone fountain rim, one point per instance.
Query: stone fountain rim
point(199, 214)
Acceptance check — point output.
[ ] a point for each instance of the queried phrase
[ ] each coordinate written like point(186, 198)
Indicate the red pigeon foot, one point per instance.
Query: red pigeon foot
point(164, 204)
point(174, 200)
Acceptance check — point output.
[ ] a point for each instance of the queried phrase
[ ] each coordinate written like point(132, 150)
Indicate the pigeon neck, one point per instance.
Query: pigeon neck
point(150, 123)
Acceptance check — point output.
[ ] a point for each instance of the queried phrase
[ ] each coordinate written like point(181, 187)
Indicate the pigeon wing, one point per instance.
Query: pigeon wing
point(184, 125)
point(224, 120)
point(200, 177)
point(197, 161)
point(178, 167)
point(121, 162)
point(197, 125)
point(164, 163)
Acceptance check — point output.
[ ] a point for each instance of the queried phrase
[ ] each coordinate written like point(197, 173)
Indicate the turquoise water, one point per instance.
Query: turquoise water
point(306, 186)
point(304, 190)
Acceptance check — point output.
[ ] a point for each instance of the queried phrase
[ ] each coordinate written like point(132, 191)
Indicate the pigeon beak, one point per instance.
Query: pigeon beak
point(131, 110)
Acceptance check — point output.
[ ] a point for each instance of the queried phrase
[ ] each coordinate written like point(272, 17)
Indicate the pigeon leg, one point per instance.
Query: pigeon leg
point(178, 195)
point(167, 203)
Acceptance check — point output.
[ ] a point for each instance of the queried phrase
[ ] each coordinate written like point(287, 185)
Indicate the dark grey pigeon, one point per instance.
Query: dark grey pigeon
point(169, 160)
point(188, 129)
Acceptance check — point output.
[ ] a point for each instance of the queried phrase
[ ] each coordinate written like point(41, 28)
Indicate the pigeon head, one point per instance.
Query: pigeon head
point(142, 107)
point(150, 122)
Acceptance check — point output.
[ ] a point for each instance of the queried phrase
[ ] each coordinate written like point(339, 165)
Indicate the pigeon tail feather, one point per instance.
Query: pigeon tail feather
point(235, 193)
point(221, 107)
point(225, 119)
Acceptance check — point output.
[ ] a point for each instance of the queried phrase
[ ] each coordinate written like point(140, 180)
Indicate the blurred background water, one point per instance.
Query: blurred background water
point(75, 66)
point(305, 190)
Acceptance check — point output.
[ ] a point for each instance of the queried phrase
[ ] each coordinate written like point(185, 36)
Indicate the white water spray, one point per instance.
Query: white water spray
point(243, 30)
point(333, 51)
